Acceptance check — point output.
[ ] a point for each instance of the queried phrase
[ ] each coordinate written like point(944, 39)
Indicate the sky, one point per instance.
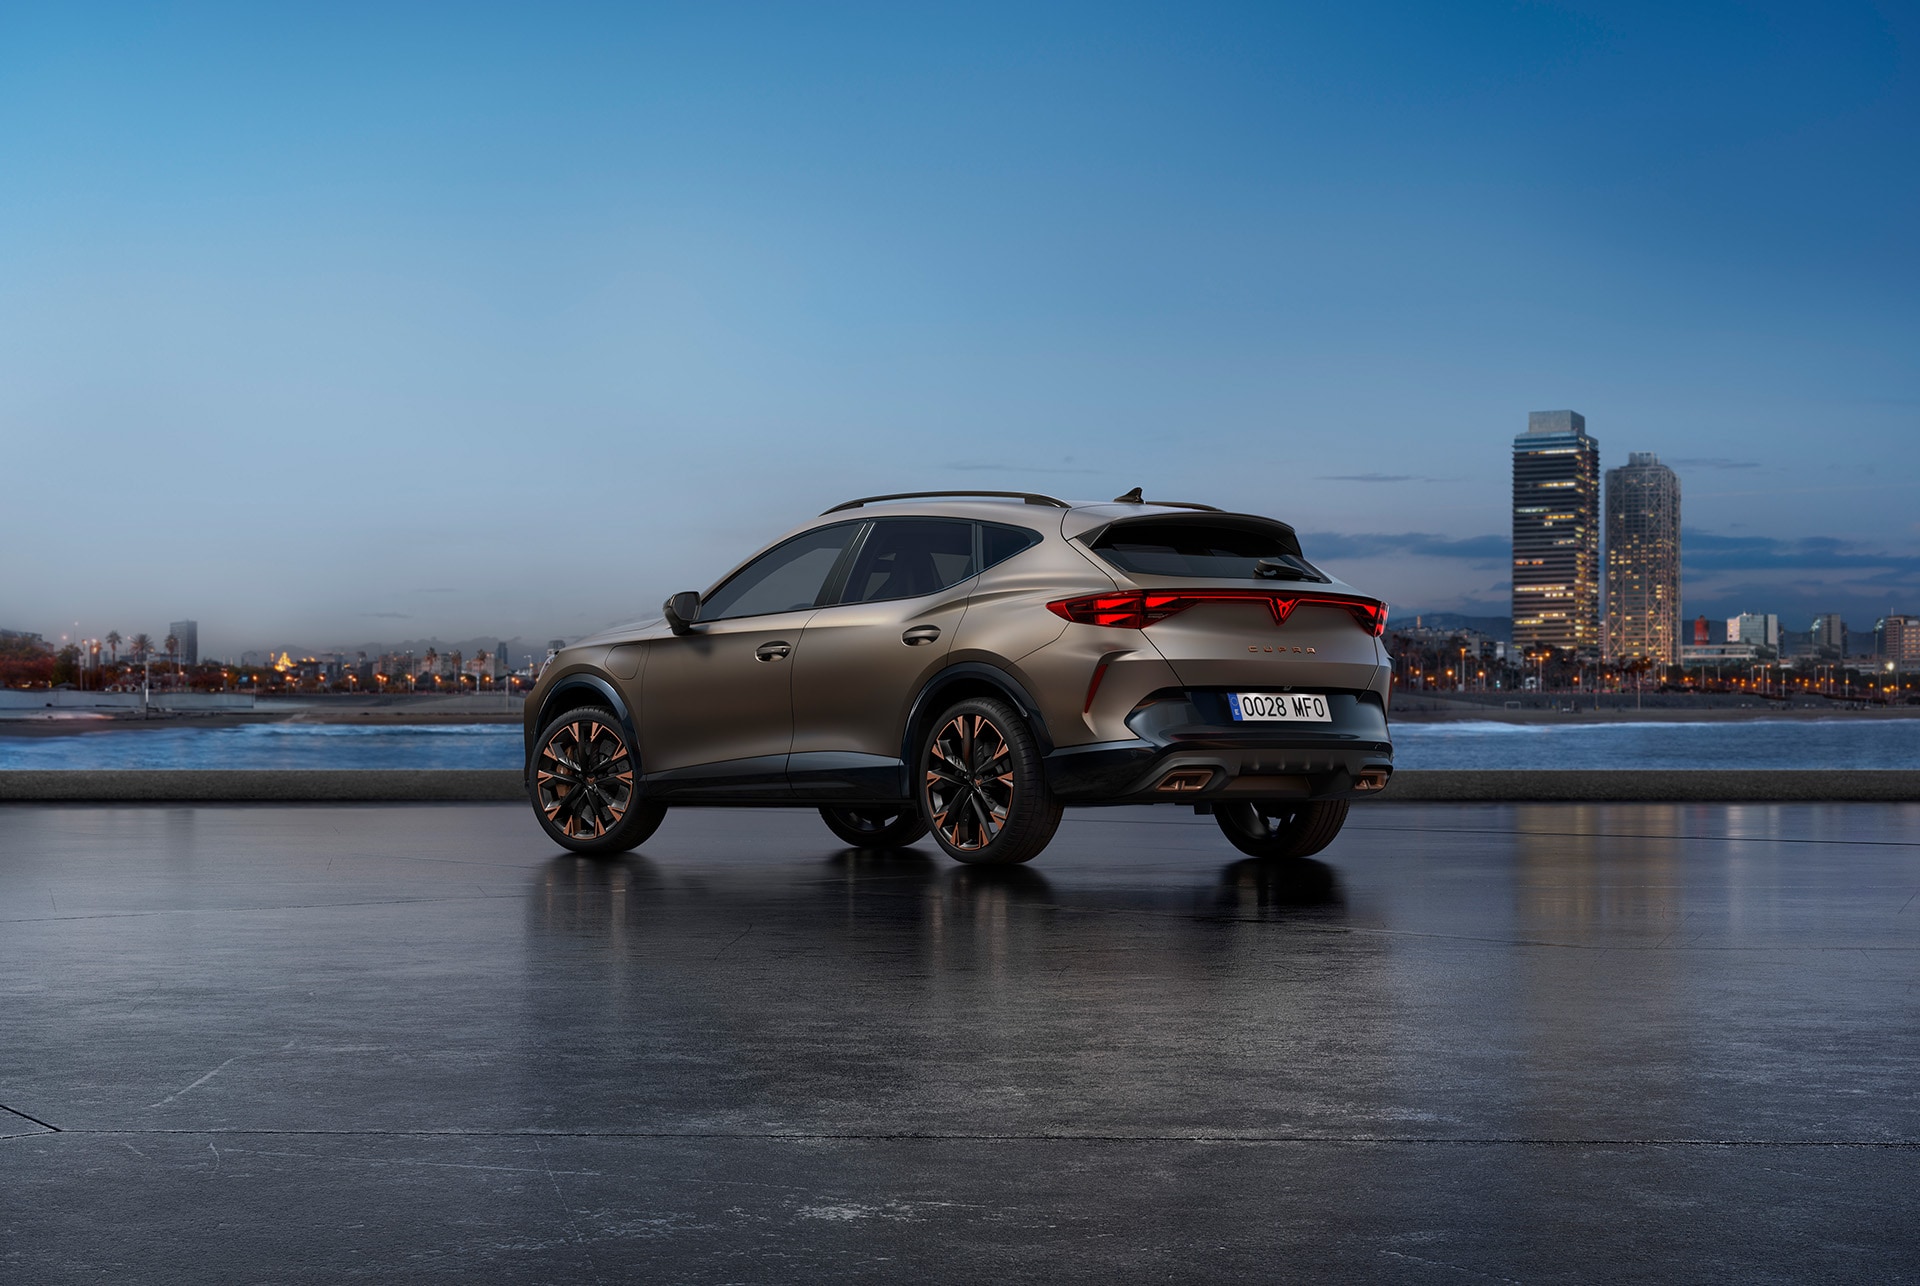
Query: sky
point(327, 325)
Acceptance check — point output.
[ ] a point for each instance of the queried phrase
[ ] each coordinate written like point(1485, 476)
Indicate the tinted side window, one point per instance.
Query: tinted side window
point(1196, 547)
point(997, 543)
point(908, 557)
point(786, 578)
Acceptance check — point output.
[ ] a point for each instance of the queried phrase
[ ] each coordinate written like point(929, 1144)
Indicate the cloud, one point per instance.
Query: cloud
point(1795, 577)
point(1407, 544)
point(1704, 551)
point(1375, 477)
point(394, 616)
point(1712, 462)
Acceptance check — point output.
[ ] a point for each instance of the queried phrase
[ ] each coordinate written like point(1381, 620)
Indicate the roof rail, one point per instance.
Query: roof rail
point(1026, 496)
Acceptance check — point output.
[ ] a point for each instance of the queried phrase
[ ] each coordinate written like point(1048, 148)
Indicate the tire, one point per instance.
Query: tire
point(883, 827)
point(595, 812)
point(1281, 828)
point(989, 818)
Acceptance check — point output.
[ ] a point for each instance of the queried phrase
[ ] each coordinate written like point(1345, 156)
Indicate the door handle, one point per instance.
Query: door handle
point(775, 651)
point(920, 634)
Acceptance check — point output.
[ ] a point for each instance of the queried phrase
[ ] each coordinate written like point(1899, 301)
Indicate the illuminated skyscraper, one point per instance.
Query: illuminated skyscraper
point(1643, 561)
point(1556, 534)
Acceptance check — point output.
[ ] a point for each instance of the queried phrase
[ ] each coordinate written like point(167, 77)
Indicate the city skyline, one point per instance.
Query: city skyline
point(310, 335)
point(1619, 597)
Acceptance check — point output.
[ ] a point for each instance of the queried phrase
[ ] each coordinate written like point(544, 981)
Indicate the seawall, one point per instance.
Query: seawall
point(192, 786)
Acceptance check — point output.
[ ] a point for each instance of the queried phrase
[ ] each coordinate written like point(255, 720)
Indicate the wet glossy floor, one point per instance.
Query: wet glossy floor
point(1546, 1043)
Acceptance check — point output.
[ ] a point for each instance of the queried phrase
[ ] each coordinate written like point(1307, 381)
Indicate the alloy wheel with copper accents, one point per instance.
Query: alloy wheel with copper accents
point(970, 781)
point(982, 791)
point(583, 784)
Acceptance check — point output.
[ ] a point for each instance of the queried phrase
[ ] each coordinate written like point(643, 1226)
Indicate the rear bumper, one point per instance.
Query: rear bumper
point(1188, 750)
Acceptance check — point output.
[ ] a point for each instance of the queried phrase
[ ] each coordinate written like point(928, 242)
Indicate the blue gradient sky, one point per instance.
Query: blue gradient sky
point(338, 324)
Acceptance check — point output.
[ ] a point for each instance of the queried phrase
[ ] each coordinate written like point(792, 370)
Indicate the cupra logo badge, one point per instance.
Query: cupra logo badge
point(1283, 648)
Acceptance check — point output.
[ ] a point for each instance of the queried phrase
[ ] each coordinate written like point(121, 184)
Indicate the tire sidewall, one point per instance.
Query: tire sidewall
point(1312, 826)
point(906, 828)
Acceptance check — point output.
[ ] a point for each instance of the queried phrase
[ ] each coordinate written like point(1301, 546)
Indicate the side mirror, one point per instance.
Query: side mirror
point(682, 610)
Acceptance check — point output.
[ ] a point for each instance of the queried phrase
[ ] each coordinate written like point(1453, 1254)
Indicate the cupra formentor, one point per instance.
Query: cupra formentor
point(966, 664)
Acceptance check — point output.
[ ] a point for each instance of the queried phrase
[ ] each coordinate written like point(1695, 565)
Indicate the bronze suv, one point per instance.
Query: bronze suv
point(965, 664)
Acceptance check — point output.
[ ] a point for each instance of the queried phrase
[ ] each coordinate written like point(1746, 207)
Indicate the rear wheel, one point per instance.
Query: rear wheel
point(875, 827)
point(1281, 828)
point(582, 786)
point(982, 790)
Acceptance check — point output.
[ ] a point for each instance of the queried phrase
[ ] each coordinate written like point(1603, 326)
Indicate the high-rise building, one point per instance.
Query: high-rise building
point(1643, 561)
point(1556, 534)
point(188, 633)
point(1898, 638)
point(1829, 636)
point(1761, 630)
point(1700, 635)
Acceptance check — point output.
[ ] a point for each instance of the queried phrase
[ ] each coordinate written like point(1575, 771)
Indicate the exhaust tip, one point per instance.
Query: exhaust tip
point(1183, 781)
point(1371, 779)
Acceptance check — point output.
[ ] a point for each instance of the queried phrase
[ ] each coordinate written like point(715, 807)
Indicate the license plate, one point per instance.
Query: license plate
point(1291, 707)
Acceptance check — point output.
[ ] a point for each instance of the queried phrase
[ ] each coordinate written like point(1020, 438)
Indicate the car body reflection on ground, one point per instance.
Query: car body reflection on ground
point(776, 994)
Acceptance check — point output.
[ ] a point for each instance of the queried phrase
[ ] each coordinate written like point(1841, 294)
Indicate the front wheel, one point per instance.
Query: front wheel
point(894, 827)
point(1281, 828)
point(582, 786)
point(982, 791)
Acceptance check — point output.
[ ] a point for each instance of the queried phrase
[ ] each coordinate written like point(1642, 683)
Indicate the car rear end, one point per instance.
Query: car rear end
point(1223, 665)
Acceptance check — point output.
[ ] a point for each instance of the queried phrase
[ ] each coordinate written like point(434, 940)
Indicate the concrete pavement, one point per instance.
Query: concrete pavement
point(1524, 1043)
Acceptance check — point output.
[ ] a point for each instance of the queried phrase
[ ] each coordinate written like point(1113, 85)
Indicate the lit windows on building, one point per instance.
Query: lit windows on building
point(1556, 534)
point(1643, 561)
point(1898, 639)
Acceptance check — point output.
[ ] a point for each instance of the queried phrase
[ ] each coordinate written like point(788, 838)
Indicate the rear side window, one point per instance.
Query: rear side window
point(908, 557)
point(1199, 548)
point(997, 543)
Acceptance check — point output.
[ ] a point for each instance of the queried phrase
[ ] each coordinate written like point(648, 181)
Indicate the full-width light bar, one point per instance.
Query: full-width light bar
point(1137, 609)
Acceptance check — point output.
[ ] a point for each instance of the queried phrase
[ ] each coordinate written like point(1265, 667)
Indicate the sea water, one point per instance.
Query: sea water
point(1754, 743)
point(274, 745)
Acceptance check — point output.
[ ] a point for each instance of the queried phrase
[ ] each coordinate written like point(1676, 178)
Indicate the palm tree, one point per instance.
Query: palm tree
point(113, 643)
point(433, 663)
point(140, 646)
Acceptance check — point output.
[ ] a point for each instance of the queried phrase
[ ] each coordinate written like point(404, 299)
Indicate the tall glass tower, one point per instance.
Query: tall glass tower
point(1643, 561)
point(188, 635)
point(1556, 535)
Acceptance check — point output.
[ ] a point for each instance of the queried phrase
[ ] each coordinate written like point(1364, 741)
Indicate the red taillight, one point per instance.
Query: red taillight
point(1370, 613)
point(1122, 611)
point(1138, 609)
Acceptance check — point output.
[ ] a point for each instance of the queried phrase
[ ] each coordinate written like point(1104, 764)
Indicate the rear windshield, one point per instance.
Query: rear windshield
point(1204, 549)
